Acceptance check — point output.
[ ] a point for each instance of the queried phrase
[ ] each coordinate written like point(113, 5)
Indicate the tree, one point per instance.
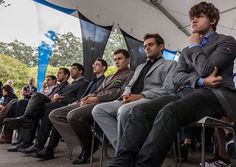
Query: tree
point(116, 41)
point(68, 50)
point(20, 51)
point(11, 68)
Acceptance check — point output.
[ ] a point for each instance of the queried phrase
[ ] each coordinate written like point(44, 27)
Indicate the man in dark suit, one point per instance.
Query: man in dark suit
point(99, 68)
point(78, 121)
point(205, 69)
point(41, 105)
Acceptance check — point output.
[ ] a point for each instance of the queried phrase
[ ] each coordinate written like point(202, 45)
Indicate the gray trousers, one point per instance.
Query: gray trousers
point(74, 124)
point(112, 118)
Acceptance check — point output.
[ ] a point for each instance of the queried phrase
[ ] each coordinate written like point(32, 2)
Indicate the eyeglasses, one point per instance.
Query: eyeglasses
point(96, 64)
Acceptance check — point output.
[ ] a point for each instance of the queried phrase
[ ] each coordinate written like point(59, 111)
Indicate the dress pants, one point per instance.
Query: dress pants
point(81, 120)
point(46, 125)
point(112, 118)
point(58, 118)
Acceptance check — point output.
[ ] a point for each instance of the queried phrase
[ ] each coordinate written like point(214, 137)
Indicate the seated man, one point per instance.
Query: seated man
point(49, 84)
point(40, 105)
point(99, 68)
point(150, 80)
point(78, 121)
point(205, 68)
point(29, 90)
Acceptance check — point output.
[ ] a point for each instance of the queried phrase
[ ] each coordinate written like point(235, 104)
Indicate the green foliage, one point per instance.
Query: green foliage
point(110, 70)
point(33, 71)
point(68, 50)
point(20, 51)
point(116, 41)
point(13, 69)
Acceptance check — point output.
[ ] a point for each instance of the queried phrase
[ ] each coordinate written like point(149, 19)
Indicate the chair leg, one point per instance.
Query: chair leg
point(234, 137)
point(203, 145)
point(179, 150)
point(101, 155)
point(175, 155)
point(92, 146)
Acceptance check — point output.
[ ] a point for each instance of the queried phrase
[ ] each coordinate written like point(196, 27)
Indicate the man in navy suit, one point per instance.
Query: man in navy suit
point(40, 105)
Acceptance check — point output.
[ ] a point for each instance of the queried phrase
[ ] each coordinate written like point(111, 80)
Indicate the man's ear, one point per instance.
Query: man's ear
point(161, 46)
point(213, 22)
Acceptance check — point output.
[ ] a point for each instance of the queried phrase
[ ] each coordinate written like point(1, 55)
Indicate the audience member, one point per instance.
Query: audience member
point(29, 90)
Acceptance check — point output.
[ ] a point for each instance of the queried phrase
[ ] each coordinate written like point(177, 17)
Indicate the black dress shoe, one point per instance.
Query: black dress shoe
point(30, 150)
point(86, 153)
point(16, 148)
point(18, 122)
point(45, 154)
point(83, 158)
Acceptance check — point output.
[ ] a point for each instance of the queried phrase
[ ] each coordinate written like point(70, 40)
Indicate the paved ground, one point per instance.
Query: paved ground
point(8, 159)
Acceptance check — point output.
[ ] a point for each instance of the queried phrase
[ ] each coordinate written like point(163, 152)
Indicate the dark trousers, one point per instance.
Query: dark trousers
point(46, 125)
point(188, 109)
point(35, 105)
point(155, 140)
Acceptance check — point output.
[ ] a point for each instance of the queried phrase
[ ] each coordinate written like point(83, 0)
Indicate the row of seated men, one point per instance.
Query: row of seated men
point(141, 112)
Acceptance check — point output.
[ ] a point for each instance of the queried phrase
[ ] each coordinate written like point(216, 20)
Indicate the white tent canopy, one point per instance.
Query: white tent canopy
point(169, 18)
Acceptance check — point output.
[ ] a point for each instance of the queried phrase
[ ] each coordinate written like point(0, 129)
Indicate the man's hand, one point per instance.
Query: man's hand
point(56, 98)
point(195, 38)
point(213, 80)
point(132, 97)
point(89, 100)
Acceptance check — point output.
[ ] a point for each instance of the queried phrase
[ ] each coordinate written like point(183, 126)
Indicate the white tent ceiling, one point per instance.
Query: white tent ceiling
point(166, 17)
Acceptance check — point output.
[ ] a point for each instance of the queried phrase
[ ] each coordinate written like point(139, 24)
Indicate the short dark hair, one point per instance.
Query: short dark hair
point(159, 40)
point(208, 9)
point(7, 88)
point(79, 66)
point(66, 71)
point(123, 51)
point(53, 77)
point(103, 62)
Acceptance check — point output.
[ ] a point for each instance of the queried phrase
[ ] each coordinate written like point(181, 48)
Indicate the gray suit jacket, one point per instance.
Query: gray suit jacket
point(111, 89)
point(196, 62)
point(158, 81)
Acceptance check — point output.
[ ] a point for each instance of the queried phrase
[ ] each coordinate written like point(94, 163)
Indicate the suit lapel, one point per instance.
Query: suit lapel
point(158, 63)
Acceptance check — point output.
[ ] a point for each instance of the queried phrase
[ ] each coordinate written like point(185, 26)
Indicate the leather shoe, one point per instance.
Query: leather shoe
point(45, 154)
point(86, 153)
point(29, 150)
point(15, 148)
point(18, 122)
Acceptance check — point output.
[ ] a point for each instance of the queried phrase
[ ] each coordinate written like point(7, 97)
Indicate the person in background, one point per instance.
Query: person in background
point(8, 94)
point(29, 90)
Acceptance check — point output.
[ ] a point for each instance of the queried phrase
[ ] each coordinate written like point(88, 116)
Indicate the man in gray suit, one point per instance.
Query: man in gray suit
point(77, 121)
point(205, 69)
point(151, 80)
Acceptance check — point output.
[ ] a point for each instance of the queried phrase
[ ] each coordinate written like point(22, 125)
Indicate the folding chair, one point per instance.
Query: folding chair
point(213, 123)
point(104, 147)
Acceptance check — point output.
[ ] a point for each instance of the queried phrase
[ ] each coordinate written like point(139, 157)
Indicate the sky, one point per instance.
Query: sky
point(26, 20)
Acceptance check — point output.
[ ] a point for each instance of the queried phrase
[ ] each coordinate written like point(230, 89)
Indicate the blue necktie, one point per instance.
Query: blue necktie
point(204, 42)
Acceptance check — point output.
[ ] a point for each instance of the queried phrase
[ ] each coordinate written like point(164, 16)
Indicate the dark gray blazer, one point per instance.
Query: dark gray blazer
point(158, 81)
point(74, 91)
point(196, 62)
